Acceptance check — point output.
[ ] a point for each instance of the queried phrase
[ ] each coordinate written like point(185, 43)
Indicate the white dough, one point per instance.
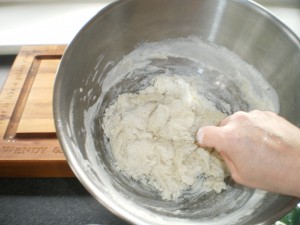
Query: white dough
point(152, 137)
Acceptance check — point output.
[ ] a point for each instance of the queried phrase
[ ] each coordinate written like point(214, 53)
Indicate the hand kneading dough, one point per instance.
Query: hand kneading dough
point(152, 137)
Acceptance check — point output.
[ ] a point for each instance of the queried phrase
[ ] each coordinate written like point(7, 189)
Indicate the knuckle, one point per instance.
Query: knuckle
point(240, 116)
point(270, 113)
point(256, 111)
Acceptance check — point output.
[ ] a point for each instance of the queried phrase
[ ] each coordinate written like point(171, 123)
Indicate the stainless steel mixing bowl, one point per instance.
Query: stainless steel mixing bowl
point(241, 26)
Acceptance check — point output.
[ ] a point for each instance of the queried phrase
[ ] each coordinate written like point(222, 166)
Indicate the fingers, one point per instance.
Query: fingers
point(222, 135)
point(208, 136)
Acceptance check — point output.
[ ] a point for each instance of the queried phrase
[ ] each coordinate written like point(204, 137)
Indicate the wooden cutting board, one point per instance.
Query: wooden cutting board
point(28, 143)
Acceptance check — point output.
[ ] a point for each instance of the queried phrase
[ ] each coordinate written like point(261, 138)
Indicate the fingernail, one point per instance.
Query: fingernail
point(199, 136)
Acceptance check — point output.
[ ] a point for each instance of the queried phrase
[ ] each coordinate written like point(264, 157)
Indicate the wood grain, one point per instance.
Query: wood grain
point(28, 143)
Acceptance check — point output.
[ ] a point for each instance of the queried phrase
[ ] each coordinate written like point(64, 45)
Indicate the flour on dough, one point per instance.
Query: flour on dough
point(152, 137)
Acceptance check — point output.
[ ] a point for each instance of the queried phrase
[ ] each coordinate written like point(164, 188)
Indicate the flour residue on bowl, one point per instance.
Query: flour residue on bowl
point(138, 121)
point(152, 137)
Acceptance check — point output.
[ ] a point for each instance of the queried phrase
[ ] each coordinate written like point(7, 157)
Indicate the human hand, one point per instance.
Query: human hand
point(261, 150)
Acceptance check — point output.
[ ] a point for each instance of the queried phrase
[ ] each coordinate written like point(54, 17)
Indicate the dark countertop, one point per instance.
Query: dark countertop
point(50, 201)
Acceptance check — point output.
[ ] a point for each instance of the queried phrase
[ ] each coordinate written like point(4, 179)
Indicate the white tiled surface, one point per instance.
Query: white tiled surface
point(51, 22)
point(39, 23)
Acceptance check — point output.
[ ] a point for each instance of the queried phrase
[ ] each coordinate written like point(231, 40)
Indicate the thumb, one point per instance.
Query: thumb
point(208, 136)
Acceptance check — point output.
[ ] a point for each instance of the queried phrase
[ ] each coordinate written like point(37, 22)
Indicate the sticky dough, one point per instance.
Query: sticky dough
point(152, 137)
